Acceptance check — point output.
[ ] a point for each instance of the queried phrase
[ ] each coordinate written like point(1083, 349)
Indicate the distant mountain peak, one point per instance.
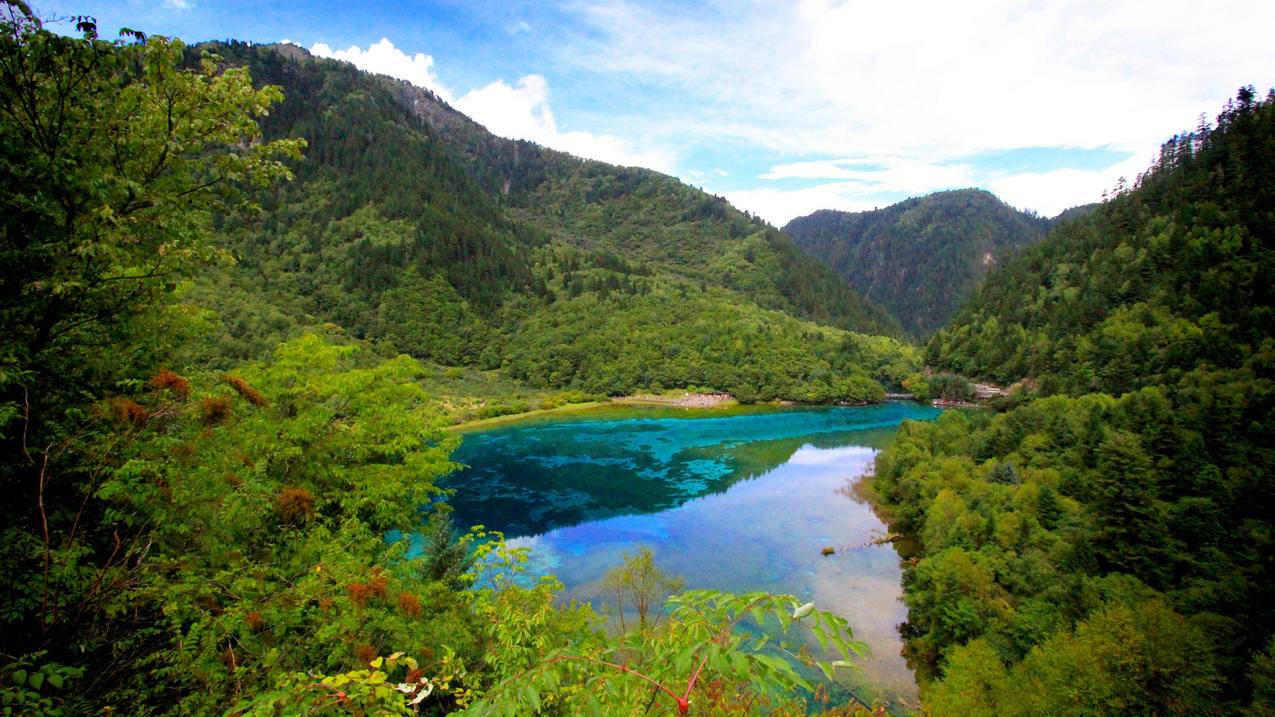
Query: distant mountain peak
point(922, 257)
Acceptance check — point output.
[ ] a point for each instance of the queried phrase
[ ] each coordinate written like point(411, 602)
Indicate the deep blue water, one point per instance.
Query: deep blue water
point(742, 500)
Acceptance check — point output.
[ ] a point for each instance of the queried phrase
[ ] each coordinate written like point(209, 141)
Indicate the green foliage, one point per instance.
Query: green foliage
point(639, 584)
point(1101, 555)
point(29, 686)
point(1262, 675)
point(1021, 515)
point(921, 258)
point(673, 337)
point(701, 658)
point(655, 221)
point(446, 559)
point(359, 692)
point(113, 159)
point(263, 529)
point(1125, 659)
point(1174, 274)
point(426, 317)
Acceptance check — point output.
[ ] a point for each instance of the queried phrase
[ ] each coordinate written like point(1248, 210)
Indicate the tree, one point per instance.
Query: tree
point(638, 582)
point(447, 559)
point(114, 160)
point(1131, 528)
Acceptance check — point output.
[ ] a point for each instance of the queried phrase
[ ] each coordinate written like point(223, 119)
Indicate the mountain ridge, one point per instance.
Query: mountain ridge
point(637, 214)
point(921, 257)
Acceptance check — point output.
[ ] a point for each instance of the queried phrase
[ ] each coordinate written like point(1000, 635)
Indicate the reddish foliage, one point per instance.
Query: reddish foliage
point(414, 676)
point(365, 652)
point(325, 604)
point(358, 593)
point(215, 410)
point(409, 604)
point(377, 583)
point(234, 480)
point(295, 505)
point(184, 451)
point(250, 394)
point(166, 380)
point(256, 623)
point(127, 411)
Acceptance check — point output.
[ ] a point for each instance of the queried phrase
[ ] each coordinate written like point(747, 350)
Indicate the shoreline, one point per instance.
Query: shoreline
point(700, 401)
point(687, 401)
point(511, 417)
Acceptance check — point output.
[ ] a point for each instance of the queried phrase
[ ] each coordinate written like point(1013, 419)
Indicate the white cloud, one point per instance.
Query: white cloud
point(931, 82)
point(1051, 192)
point(871, 182)
point(386, 59)
point(522, 111)
point(879, 173)
point(179, 4)
point(779, 206)
point(518, 111)
point(809, 455)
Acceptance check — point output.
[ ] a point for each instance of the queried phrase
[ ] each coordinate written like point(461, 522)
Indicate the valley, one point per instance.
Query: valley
point(318, 397)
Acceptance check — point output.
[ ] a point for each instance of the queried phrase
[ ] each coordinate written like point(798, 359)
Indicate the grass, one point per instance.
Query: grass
point(478, 423)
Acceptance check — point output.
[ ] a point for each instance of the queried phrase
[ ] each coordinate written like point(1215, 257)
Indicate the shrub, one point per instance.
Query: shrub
point(295, 505)
point(166, 380)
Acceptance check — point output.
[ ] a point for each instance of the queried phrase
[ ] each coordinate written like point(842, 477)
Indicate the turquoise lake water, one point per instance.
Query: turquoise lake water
point(737, 501)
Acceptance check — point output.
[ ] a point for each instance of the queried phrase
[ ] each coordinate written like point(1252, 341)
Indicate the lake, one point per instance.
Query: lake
point(737, 500)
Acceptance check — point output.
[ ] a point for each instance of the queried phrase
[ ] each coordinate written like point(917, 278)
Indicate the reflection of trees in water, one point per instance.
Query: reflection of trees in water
point(547, 479)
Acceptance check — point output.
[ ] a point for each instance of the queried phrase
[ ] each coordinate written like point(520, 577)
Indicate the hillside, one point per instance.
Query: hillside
point(1157, 281)
point(396, 178)
point(1107, 549)
point(920, 258)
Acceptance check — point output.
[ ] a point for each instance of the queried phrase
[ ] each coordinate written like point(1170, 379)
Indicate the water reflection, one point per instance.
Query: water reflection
point(527, 478)
point(737, 503)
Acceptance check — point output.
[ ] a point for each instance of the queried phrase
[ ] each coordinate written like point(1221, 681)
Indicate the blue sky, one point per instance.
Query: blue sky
point(788, 107)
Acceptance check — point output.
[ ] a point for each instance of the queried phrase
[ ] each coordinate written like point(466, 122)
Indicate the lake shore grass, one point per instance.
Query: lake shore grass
point(523, 415)
point(691, 403)
point(668, 399)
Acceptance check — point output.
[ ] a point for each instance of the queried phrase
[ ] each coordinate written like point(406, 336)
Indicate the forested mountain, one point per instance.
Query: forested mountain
point(1108, 549)
point(395, 179)
point(1148, 285)
point(920, 258)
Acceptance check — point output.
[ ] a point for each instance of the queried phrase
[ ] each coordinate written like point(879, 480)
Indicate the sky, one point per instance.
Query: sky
point(789, 107)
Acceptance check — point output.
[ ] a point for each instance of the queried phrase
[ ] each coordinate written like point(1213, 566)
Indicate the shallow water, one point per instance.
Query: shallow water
point(738, 501)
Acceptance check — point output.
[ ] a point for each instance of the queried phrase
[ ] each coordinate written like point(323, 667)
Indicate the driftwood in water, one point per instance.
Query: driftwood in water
point(879, 540)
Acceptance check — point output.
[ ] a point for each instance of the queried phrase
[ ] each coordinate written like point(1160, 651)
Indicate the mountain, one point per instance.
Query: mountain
point(920, 258)
point(1103, 545)
point(401, 144)
point(411, 226)
point(1157, 281)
